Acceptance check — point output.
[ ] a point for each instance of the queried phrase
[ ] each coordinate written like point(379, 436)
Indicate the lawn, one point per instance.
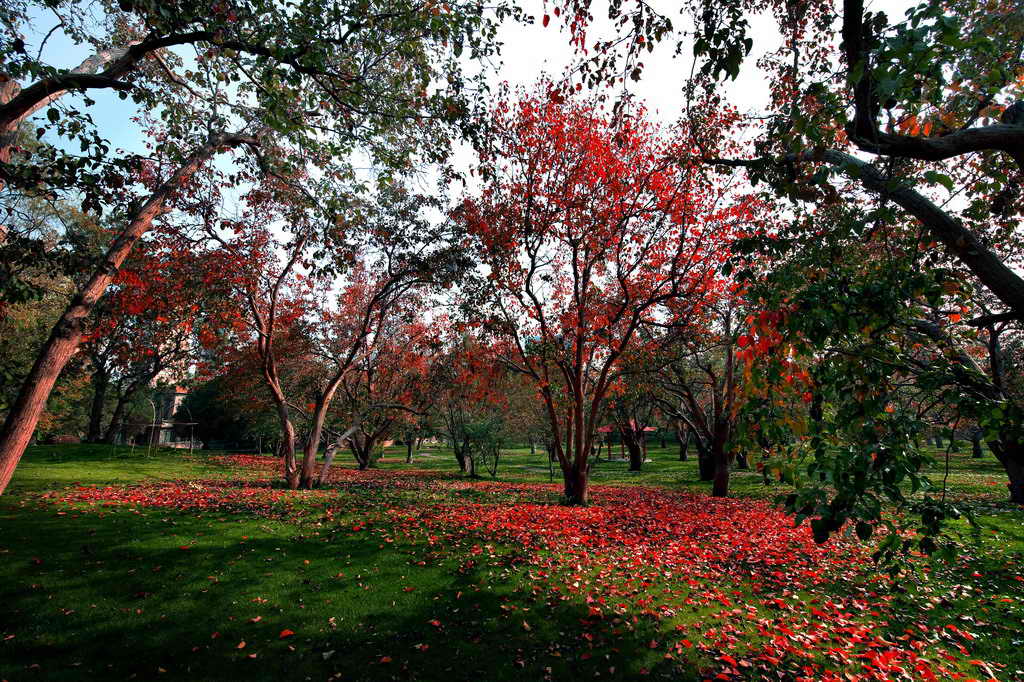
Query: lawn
point(122, 565)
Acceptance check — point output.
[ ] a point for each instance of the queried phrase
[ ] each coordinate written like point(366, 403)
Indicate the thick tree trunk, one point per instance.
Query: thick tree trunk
point(362, 448)
point(577, 486)
point(817, 409)
point(67, 332)
point(408, 450)
point(1012, 458)
point(100, 382)
point(976, 451)
point(720, 457)
point(308, 474)
point(286, 451)
point(635, 449)
point(291, 469)
point(361, 454)
point(705, 462)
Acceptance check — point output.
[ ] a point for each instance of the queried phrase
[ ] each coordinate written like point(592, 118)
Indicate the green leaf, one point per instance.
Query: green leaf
point(939, 178)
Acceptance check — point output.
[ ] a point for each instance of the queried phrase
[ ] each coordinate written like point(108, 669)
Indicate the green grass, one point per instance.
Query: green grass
point(134, 592)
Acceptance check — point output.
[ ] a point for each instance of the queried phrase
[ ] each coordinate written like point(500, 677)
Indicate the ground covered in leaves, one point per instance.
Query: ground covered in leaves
point(126, 566)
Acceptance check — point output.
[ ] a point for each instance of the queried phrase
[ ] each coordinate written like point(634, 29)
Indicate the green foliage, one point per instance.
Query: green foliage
point(482, 440)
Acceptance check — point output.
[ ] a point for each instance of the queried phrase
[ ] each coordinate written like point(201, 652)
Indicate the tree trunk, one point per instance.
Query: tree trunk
point(460, 457)
point(705, 462)
point(291, 466)
point(684, 443)
point(291, 469)
point(577, 488)
point(636, 455)
point(408, 450)
point(362, 448)
point(976, 451)
point(100, 382)
point(115, 420)
point(741, 461)
point(533, 446)
point(720, 457)
point(1012, 458)
point(312, 446)
point(360, 452)
point(817, 409)
point(67, 332)
point(328, 458)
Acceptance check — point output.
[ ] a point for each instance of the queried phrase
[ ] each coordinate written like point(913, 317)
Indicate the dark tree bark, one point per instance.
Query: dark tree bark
point(362, 448)
point(720, 458)
point(116, 420)
point(636, 452)
point(684, 443)
point(460, 457)
point(577, 487)
point(631, 441)
point(1011, 455)
point(976, 451)
point(741, 460)
point(705, 462)
point(100, 383)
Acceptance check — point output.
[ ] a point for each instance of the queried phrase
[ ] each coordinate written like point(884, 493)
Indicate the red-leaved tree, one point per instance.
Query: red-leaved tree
point(588, 229)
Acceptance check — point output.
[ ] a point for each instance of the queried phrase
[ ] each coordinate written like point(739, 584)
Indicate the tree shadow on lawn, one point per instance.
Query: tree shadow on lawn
point(975, 602)
point(172, 595)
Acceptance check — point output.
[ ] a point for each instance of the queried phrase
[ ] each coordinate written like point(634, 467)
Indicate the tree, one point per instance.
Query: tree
point(702, 379)
point(587, 230)
point(386, 385)
point(631, 407)
point(468, 381)
point(362, 268)
point(259, 73)
point(916, 139)
point(145, 327)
